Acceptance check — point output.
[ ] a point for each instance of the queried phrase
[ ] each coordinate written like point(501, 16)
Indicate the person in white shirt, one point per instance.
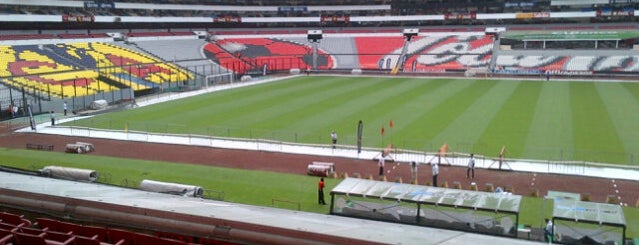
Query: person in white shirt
point(470, 172)
point(334, 138)
point(549, 231)
point(435, 173)
point(381, 164)
point(52, 118)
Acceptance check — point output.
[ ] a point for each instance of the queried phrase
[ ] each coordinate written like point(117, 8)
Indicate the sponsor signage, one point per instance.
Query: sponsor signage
point(532, 15)
point(516, 71)
point(615, 12)
point(519, 5)
point(335, 18)
point(465, 16)
point(96, 5)
point(77, 18)
point(227, 19)
point(292, 9)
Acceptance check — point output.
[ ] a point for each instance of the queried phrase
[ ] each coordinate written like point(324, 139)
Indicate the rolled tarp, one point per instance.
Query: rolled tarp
point(171, 188)
point(76, 174)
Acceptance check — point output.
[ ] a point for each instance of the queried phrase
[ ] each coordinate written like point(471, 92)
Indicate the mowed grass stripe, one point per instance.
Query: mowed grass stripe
point(622, 107)
point(275, 102)
point(357, 97)
point(383, 106)
point(199, 112)
point(551, 127)
point(468, 128)
point(511, 124)
point(291, 108)
point(420, 129)
point(633, 89)
point(409, 111)
point(594, 133)
point(441, 116)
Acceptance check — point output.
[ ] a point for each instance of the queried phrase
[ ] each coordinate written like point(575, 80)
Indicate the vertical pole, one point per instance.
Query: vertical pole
point(315, 44)
point(75, 93)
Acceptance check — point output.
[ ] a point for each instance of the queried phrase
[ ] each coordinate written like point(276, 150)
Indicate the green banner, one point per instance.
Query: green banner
point(571, 35)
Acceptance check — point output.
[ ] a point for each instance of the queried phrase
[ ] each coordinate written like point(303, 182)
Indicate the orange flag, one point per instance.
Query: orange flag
point(443, 149)
point(382, 130)
point(390, 124)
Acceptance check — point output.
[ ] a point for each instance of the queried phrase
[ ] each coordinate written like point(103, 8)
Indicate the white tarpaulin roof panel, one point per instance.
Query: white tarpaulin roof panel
point(429, 195)
point(602, 213)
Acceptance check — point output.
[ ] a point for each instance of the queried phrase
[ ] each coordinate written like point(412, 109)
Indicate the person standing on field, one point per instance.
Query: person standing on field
point(549, 230)
point(320, 192)
point(64, 106)
point(435, 173)
point(470, 171)
point(380, 163)
point(334, 138)
point(52, 118)
point(547, 75)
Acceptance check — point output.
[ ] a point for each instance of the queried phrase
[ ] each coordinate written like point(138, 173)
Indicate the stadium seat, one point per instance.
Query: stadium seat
point(89, 232)
point(30, 239)
point(150, 239)
point(8, 227)
point(81, 240)
point(124, 237)
point(174, 236)
point(14, 219)
point(6, 237)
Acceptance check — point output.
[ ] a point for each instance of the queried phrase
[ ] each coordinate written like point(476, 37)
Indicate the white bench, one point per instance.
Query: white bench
point(321, 168)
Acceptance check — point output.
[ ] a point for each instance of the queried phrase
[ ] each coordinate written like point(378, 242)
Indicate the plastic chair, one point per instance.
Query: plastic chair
point(6, 237)
point(14, 219)
point(29, 239)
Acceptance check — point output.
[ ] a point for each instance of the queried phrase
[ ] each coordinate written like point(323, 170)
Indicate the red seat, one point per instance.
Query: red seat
point(30, 231)
point(14, 219)
point(99, 233)
point(6, 237)
point(48, 224)
point(29, 239)
point(91, 232)
point(123, 237)
point(162, 234)
point(63, 238)
point(80, 240)
point(141, 238)
point(8, 227)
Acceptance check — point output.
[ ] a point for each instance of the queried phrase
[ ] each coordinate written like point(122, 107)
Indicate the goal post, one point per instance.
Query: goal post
point(222, 78)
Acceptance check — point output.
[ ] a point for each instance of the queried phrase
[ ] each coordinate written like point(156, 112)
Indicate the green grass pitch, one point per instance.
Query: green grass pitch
point(533, 119)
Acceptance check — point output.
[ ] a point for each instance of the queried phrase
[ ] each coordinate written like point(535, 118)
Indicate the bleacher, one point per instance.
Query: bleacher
point(371, 50)
point(78, 69)
point(16, 229)
point(244, 54)
point(615, 63)
point(425, 53)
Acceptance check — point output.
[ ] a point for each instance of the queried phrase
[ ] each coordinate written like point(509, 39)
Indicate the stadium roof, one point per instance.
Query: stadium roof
point(589, 212)
point(498, 202)
point(570, 35)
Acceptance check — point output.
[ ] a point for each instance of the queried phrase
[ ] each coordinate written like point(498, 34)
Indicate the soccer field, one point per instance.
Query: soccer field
point(533, 119)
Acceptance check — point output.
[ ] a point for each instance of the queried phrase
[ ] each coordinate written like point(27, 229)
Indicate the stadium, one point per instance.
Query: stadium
point(209, 122)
